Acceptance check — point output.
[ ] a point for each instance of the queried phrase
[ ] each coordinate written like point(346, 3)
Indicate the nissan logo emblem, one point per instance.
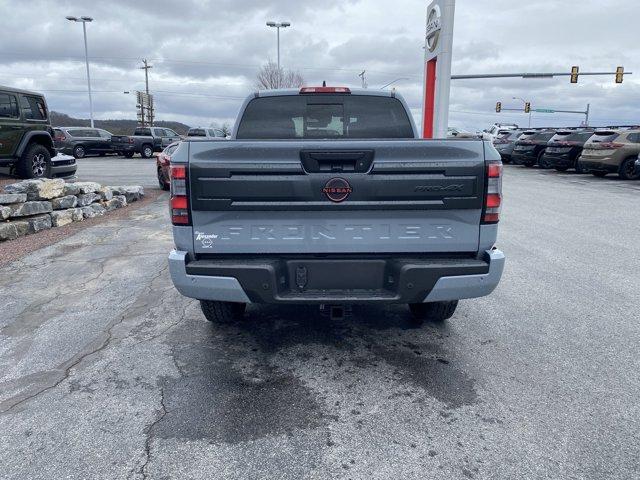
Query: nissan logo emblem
point(337, 189)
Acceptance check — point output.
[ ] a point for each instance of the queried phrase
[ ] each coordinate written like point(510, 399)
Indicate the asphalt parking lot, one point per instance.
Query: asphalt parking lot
point(107, 372)
point(116, 170)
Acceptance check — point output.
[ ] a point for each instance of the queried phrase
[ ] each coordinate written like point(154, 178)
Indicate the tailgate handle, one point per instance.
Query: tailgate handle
point(356, 161)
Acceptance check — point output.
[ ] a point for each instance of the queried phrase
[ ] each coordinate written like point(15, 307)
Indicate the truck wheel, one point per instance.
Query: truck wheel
point(35, 162)
point(128, 154)
point(628, 169)
point(147, 151)
point(79, 152)
point(543, 162)
point(164, 183)
point(222, 312)
point(436, 312)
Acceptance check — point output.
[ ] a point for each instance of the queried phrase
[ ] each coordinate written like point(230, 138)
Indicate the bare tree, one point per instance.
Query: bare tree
point(270, 77)
point(226, 129)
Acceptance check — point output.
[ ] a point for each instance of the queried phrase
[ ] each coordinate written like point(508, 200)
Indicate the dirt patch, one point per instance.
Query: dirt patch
point(15, 249)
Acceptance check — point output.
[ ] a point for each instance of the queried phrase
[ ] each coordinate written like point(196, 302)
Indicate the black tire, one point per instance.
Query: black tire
point(146, 151)
point(35, 162)
point(128, 154)
point(222, 312)
point(562, 169)
point(164, 185)
point(436, 312)
point(628, 169)
point(542, 163)
point(79, 151)
point(598, 173)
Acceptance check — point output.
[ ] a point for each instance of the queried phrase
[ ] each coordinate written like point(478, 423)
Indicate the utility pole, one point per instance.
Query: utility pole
point(150, 112)
point(146, 74)
point(364, 80)
point(586, 116)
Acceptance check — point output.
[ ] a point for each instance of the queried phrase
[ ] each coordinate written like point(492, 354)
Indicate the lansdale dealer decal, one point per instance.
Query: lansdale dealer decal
point(206, 239)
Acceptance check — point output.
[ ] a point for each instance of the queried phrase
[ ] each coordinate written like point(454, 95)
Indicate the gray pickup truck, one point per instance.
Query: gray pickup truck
point(145, 141)
point(326, 195)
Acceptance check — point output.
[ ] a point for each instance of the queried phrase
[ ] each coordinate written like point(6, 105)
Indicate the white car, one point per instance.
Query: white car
point(492, 132)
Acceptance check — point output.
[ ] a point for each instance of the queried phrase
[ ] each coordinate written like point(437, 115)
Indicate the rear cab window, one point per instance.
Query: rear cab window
point(142, 132)
point(324, 116)
point(196, 132)
point(8, 106)
point(33, 107)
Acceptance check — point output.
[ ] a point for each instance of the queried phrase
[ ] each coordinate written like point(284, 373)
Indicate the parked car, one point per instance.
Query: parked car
point(145, 141)
point(612, 151)
point(453, 132)
point(206, 133)
point(162, 165)
point(530, 147)
point(492, 132)
point(26, 136)
point(505, 142)
point(82, 141)
point(564, 149)
point(352, 208)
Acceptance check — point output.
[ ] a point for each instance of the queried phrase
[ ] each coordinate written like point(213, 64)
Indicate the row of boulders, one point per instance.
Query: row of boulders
point(34, 205)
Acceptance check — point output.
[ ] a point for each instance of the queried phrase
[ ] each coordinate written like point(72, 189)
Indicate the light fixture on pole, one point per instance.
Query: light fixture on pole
point(278, 26)
point(84, 21)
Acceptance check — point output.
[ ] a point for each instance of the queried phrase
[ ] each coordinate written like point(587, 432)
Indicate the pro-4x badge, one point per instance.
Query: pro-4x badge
point(337, 189)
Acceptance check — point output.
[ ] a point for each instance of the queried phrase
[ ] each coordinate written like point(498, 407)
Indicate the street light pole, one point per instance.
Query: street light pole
point(524, 101)
point(278, 25)
point(84, 21)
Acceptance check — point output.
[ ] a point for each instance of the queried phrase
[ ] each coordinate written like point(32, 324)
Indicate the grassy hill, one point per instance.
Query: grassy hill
point(117, 127)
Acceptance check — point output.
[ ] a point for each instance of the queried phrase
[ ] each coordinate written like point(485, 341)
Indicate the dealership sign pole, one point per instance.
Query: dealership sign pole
point(437, 68)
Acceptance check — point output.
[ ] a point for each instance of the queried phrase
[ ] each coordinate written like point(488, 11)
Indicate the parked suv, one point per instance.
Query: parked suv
point(530, 147)
point(145, 141)
point(206, 133)
point(612, 151)
point(82, 141)
point(26, 143)
point(505, 142)
point(564, 149)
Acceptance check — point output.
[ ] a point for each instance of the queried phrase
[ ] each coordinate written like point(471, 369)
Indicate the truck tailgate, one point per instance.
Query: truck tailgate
point(336, 196)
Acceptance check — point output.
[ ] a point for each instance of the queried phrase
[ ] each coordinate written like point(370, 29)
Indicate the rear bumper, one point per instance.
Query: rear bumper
point(560, 160)
point(520, 158)
point(124, 147)
point(350, 279)
point(590, 166)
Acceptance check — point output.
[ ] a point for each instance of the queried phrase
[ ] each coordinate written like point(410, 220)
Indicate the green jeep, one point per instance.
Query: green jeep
point(26, 144)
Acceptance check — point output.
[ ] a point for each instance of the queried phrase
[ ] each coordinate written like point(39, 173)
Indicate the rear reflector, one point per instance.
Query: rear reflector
point(325, 90)
point(179, 203)
point(493, 195)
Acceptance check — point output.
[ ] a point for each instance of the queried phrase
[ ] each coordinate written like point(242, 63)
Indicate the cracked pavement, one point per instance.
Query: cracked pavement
point(107, 372)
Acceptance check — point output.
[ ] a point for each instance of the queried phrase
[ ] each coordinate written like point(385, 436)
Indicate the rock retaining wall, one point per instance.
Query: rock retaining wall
point(34, 205)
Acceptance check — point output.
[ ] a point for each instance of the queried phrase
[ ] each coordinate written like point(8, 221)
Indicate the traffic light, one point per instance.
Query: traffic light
point(619, 74)
point(574, 74)
point(498, 107)
point(527, 107)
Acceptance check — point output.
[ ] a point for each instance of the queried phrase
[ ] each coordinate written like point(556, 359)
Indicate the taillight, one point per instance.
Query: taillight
point(493, 195)
point(500, 141)
point(179, 198)
point(610, 145)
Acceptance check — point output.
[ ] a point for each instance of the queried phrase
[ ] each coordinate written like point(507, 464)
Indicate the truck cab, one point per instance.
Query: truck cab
point(326, 195)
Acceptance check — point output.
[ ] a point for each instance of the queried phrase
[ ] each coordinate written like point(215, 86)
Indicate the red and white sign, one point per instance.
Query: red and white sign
point(437, 68)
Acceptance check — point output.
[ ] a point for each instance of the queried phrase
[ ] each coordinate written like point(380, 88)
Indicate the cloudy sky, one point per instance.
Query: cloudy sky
point(205, 54)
